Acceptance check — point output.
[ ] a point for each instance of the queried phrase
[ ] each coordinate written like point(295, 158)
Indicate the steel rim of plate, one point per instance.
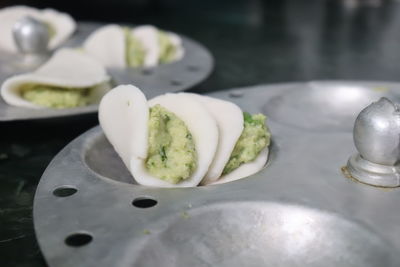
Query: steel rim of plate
point(194, 67)
point(101, 219)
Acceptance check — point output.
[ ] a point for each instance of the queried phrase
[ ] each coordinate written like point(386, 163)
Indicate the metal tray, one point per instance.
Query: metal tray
point(301, 210)
point(193, 68)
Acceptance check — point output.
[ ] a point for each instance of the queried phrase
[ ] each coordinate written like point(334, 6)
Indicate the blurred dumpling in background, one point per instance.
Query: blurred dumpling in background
point(143, 46)
point(60, 25)
point(69, 79)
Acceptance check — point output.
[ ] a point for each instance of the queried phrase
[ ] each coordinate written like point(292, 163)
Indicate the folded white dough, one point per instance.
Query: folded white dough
point(229, 118)
point(215, 125)
point(203, 128)
point(148, 37)
point(124, 114)
point(67, 68)
point(246, 169)
point(108, 45)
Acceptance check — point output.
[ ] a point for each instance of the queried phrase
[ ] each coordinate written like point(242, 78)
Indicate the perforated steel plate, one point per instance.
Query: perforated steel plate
point(301, 210)
point(193, 68)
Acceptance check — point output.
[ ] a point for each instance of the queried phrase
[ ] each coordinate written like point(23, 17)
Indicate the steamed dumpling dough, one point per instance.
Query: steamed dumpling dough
point(142, 46)
point(246, 169)
point(203, 130)
point(250, 152)
point(123, 116)
point(69, 78)
point(229, 118)
point(107, 45)
point(173, 131)
point(61, 25)
point(148, 36)
point(243, 143)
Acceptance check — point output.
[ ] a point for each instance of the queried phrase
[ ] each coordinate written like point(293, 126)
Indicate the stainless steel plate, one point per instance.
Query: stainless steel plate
point(194, 67)
point(300, 210)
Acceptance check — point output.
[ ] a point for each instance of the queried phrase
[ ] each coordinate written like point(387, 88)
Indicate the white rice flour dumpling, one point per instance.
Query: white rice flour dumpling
point(143, 46)
point(167, 142)
point(70, 78)
point(183, 139)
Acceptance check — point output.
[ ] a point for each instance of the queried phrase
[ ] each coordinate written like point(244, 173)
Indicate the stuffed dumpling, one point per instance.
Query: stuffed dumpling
point(179, 134)
point(68, 79)
point(116, 46)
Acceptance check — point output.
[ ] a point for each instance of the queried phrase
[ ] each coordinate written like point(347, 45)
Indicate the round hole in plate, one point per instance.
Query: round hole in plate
point(236, 93)
point(176, 83)
point(147, 72)
point(193, 68)
point(64, 191)
point(253, 233)
point(78, 239)
point(144, 202)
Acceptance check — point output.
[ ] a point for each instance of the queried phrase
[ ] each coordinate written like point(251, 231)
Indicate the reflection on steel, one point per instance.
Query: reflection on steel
point(377, 139)
point(298, 211)
point(31, 37)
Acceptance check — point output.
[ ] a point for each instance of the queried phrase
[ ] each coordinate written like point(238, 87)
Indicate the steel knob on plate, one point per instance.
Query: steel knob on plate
point(31, 37)
point(377, 138)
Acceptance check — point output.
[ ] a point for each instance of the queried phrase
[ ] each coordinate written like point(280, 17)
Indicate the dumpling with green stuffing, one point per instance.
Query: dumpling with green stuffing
point(169, 141)
point(183, 139)
point(68, 79)
point(146, 46)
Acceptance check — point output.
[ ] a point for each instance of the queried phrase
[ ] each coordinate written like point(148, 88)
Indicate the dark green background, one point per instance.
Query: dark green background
point(252, 41)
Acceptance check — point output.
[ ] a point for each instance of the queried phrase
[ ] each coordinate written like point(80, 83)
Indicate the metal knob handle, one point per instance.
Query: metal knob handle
point(31, 36)
point(377, 132)
point(377, 138)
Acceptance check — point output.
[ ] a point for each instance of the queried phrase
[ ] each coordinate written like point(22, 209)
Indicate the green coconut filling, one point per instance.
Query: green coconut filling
point(254, 138)
point(55, 97)
point(172, 154)
point(134, 50)
point(167, 48)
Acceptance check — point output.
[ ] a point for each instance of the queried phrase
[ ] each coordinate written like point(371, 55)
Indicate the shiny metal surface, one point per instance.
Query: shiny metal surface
point(31, 36)
point(376, 137)
point(193, 68)
point(377, 131)
point(300, 210)
point(371, 173)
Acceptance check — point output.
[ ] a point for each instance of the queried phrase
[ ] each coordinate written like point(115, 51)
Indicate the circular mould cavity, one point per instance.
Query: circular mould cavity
point(263, 234)
point(78, 239)
point(236, 93)
point(193, 68)
point(101, 158)
point(322, 106)
point(65, 191)
point(147, 71)
point(176, 83)
point(144, 202)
